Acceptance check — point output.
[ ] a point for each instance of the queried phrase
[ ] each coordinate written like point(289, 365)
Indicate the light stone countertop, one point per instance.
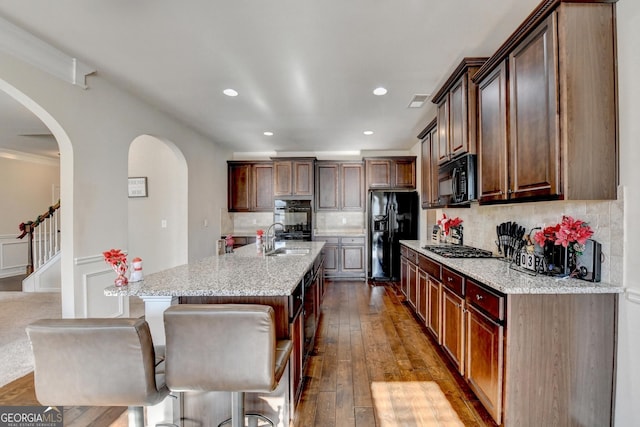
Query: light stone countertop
point(245, 272)
point(497, 274)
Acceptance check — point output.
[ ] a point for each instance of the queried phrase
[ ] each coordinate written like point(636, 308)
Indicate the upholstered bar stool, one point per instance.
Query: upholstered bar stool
point(97, 362)
point(224, 347)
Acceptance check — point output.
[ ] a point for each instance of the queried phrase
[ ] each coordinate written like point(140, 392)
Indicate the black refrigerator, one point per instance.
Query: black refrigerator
point(393, 216)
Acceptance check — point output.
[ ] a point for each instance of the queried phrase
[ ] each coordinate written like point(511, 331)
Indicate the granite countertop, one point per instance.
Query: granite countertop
point(245, 272)
point(497, 274)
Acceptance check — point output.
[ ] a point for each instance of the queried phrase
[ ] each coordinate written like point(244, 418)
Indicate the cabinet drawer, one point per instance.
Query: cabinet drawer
point(431, 267)
point(412, 256)
point(332, 240)
point(490, 302)
point(353, 240)
point(453, 281)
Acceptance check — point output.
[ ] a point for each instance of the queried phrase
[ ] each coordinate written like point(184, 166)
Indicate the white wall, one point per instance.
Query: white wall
point(94, 129)
point(25, 191)
point(158, 228)
point(628, 362)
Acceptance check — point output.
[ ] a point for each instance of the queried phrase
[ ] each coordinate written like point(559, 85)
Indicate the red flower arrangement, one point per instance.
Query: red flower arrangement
point(446, 223)
point(568, 233)
point(118, 262)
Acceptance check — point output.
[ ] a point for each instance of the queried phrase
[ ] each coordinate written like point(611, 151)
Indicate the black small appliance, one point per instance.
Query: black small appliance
point(588, 263)
point(457, 181)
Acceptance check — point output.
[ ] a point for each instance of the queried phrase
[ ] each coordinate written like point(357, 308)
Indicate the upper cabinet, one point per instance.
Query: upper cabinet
point(339, 186)
point(391, 172)
point(429, 165)
point(249, 186)
point(547, 107)
point(293, 177)
point(457, 112)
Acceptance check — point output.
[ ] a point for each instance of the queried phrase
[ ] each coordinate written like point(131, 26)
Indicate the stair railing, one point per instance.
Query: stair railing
point(46, 229)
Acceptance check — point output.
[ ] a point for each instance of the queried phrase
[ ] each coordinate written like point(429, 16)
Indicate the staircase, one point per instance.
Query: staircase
point(43, 264)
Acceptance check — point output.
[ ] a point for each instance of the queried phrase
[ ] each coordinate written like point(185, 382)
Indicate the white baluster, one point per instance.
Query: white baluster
point(45, 255)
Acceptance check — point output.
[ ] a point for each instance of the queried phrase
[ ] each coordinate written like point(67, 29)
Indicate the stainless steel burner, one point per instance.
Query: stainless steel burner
point(454, 251)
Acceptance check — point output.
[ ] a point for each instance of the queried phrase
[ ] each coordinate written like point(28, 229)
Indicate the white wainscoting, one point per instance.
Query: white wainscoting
point(95, 275)
point(13, 255)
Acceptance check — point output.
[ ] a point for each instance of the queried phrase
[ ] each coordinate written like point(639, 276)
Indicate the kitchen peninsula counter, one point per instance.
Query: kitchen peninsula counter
point(497, 274)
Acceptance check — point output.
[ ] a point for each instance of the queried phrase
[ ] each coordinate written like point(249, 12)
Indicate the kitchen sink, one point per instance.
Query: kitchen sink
point(288, 251)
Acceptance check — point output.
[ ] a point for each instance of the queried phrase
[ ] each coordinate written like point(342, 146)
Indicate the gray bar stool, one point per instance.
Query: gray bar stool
point(97, 362)
point(224, 347)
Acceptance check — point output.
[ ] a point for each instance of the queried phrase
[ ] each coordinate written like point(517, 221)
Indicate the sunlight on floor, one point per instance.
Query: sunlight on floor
point(412, 404)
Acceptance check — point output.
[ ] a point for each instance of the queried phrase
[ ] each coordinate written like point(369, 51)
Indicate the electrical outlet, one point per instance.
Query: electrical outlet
point(205, 223)
point(344, 220)
point(163, 223)
point(255, 221)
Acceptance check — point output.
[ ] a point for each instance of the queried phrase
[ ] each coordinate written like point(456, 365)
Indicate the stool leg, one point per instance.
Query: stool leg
point(136, 416)
point(237, 409)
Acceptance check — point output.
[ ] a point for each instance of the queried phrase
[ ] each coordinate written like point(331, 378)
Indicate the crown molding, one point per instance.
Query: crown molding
point(5, 153)
point(25, 46)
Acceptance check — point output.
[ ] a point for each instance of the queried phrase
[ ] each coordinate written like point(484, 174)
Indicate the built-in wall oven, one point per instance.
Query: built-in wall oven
point(296, 216)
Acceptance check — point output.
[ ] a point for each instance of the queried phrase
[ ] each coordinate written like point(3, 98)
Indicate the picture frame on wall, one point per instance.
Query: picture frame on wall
point(138, 186)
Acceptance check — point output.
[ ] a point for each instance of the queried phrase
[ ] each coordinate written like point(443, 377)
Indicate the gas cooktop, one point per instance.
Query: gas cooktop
point(456, 251)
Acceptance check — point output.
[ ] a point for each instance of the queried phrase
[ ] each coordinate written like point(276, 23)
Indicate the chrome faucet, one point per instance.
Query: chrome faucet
point(270, 241)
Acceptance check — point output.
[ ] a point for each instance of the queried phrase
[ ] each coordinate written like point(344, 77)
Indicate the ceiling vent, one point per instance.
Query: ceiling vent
point(418, 101)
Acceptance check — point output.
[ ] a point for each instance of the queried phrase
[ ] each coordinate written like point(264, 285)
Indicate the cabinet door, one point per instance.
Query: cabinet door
point(493, 151)
point(353, 259)
point(435, 190)
point(433, 308)
point(421, 300)
point(327, 186)
point(282, 178)
point(443, 131)
point(379, 173)
point(412, 283)
point(303, 178)
point(534, 133)
point(453, 327)
point(262, 187)
point(331, 259)
point(485, 347)
point(458, 123)
point(425, 166)
point(239, 187)
point(404, 277)
point(296, 359)
point(352, 186)
point(404, 173)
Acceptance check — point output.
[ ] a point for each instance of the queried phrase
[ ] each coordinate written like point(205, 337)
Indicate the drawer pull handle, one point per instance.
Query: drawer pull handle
point(449, 279)
point(478, 297)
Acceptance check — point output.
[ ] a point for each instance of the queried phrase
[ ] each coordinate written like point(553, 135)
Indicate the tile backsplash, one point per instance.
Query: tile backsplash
point(339, 222)
point(604, 216)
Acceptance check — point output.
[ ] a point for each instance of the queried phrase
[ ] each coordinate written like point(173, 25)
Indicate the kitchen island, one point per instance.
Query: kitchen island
point(291, 282)
point(535, 349)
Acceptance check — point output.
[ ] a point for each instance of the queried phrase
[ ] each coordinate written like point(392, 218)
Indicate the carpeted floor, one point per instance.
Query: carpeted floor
point(17, 310)
point(13, 283)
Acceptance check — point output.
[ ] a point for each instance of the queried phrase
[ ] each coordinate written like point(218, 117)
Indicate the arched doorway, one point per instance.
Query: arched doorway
point(158, 221)
point(66, 190)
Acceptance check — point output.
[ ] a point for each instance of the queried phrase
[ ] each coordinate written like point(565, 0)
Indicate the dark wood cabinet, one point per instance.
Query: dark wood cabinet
point(552, 110)
point(345, 257)
point(422, 298)
point(457, 111)
point(485, 360)
point(492, 136)
point(339, 186)
point(429, 166)
point(249, 186)
point(296, 361)
point(433, 308)
point(293, 177)
point(412, 284)
point(391, 172)
point(453, 327)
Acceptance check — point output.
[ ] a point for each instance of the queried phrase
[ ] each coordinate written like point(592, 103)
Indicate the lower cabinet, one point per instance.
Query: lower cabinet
point(485, 360)
point(421, 300)
point(296, 362)
point(433, 307)
point(344, 257)
point(453, 327)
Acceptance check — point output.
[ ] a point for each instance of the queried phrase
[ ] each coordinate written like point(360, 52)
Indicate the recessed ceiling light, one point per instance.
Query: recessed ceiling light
point(379, 91)
point(230, 92)
point(267, 133)
point(368, 132)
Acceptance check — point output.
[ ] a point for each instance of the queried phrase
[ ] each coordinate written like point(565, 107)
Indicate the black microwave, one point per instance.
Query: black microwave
point(457, 181)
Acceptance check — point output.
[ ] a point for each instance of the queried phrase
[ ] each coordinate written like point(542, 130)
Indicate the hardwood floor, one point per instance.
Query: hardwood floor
point(372, 365)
